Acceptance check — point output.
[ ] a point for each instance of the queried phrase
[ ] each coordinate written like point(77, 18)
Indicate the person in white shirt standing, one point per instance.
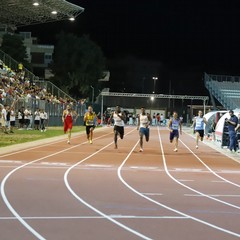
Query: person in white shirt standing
point(118, 118)
point(4, 119)
point(36, 119)
point(144, 121)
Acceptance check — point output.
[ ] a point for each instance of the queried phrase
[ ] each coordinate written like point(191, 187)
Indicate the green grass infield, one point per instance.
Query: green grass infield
point(23, 136)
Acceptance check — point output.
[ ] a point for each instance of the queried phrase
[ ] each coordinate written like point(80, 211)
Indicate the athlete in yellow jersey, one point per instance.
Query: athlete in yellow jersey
point(90, 120)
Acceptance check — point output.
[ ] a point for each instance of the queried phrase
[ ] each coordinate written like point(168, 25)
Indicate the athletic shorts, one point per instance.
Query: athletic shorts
point(174, 134)
point(144, 131)
point(88, 128)
point(201, 133)
point(119, 130)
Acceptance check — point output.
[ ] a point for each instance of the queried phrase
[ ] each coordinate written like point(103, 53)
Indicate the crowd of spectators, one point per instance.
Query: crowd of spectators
point(14, 85)
point(16, 89)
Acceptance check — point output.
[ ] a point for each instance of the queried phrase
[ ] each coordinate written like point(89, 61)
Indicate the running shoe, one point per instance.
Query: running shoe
point(175, 150)
point(196, 146)
point(141, 150)
point(68, 142)
point(90, 141)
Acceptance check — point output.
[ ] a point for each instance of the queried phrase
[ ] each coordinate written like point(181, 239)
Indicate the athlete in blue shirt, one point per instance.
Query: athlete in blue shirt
point(198, 122)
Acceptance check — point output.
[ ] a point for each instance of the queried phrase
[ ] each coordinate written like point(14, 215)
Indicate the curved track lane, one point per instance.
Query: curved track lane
point(82, 191)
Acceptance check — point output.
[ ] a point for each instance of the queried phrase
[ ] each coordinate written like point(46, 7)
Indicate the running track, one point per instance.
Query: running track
point(57, 191)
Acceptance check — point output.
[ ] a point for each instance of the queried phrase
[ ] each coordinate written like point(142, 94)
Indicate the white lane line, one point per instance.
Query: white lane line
point(188, 170)
point(213, 172)
point(195, 219)
point(98, 165)
point(215, 181)
point(54, 163)
point(163, 205)
point(143, 168)
point(186, 180)
point(92, 207)
point(3, 183)
point(10, 161)
point(96, 217)
point(153, 194)
point(212, 195)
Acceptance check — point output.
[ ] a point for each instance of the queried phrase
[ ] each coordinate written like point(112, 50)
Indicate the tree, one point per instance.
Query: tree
point(13, 46)
point(77, 65)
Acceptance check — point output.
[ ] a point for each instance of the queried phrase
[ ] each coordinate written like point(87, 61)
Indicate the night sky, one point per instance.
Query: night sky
point(187, 37)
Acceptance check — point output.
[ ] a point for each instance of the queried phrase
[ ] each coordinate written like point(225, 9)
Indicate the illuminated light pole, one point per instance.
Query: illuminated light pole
point(154, 83)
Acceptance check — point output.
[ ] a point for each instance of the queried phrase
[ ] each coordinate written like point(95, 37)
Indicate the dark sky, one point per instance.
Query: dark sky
point(186, 35)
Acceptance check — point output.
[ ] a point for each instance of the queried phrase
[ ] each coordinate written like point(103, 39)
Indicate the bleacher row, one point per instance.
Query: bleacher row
point(18, 91)
point(14, 85)
point(226, 89)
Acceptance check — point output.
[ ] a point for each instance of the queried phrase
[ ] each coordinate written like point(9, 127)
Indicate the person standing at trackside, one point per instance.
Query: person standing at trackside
point(68, 117)
point(118, 128)
point(90, 120)
point(232, 124)
point(198, 123)
point(43, 117)
point(174, 126)
point(144, 121)
point(237, 129)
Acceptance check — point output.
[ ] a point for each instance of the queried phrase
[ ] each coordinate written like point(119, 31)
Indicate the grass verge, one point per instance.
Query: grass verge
point(22, 136)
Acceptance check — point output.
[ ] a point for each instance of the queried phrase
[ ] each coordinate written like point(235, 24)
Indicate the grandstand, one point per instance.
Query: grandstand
point(23, 86)
point(15, 13)
point(226, 89)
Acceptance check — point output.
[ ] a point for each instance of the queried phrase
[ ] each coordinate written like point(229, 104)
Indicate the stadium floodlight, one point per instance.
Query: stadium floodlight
point(15, 13)
point(35, 3)
point(72, 19)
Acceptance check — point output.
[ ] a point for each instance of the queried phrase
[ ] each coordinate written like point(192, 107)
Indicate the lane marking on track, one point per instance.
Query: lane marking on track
point(98, 165)
point(210, 170)
point(153, 194)
point(186, 180)
point(218, 181)
point(163, 205)
point(53, 163)
point(213, 195)
point(92, 207)
point(117, 216)
point(216, 149)
point(188, 170)
point(3, 183)
point(10, 161)
point(144, 168)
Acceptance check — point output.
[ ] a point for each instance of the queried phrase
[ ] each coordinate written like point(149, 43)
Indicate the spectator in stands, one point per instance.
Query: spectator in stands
point(232, 124)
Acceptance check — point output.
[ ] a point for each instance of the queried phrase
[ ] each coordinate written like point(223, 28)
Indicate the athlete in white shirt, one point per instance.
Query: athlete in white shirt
point(118, 118)
point(144, 121)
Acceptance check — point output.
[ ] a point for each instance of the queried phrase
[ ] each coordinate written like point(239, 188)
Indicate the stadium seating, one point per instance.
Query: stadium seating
point(226, 89)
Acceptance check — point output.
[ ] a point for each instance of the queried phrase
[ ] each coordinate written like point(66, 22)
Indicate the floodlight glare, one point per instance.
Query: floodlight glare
point(54, 12)
point(72, 19)
point(36, 4)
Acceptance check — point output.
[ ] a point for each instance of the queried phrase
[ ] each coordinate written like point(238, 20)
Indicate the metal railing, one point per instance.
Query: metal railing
point(13, 64)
